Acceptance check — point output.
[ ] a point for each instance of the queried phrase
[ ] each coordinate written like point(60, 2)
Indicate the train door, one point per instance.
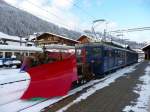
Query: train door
point(111, 58)
point(83, 66)
point(105, 59)
point(96, 61)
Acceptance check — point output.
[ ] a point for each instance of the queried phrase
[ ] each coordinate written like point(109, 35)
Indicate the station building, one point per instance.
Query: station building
point(146, 50)
point(6, 39)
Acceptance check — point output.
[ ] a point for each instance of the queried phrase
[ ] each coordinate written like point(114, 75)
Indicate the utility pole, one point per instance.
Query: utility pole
point(20, 40)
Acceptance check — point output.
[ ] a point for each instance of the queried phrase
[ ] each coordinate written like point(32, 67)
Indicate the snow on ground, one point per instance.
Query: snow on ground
point(10, 81)
point(99, 86)
point(12, 75)
point(142, 104)
point(35, 106)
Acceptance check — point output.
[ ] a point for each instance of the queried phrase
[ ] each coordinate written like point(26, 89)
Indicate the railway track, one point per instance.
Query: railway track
point(78, 90)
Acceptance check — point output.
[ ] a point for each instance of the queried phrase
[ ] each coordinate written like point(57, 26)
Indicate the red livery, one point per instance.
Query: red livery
point(51, 79)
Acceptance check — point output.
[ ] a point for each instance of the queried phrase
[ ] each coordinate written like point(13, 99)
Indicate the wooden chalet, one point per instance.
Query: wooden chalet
point(50, 38)
point(84, 39)
point(146, 50)
point(87, 39)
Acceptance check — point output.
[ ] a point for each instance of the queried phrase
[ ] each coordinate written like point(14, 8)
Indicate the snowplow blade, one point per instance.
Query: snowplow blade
point(52, 79)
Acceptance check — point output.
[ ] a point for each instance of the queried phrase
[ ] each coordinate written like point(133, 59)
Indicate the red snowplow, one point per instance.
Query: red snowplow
point(51, 79)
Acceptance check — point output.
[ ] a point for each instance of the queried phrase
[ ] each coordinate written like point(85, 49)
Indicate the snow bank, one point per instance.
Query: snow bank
point(1, 62)
point(99, 86)
point(35, 106)
point(12, 75)
point(142, 104)
point(12, 85)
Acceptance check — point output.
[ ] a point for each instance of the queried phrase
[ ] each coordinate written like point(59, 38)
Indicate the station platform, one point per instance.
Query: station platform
point(127, 93)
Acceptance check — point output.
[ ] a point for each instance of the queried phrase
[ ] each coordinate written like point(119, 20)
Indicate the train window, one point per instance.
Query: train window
point(110, 53)
point(106, 53)
point(78, 52)
point(96, 51)
point(87, 52)
point(113, 53)
point(8, 54)
point(1, 54)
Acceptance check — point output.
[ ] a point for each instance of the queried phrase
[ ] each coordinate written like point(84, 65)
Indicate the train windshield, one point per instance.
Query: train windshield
point(80, 53)
point(96, 52)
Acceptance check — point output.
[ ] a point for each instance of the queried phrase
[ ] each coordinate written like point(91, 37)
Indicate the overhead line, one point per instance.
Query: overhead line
point(131, 30)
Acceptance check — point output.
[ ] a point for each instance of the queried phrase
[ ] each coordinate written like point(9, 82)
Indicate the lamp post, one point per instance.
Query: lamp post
point(95, 21)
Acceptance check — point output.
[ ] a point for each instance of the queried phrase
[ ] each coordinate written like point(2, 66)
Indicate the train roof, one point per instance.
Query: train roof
point(107, 44)
point(19, 48)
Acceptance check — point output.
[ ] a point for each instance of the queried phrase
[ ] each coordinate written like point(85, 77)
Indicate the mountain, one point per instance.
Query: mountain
point(16, 22)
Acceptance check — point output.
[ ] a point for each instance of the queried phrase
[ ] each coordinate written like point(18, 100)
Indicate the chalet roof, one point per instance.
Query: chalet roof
point(146, 47)
point(84, 36)
point(59, 36)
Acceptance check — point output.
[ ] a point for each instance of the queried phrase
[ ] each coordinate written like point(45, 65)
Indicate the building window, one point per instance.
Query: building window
point(8, 54)
point(18, 55)
point(1, 54)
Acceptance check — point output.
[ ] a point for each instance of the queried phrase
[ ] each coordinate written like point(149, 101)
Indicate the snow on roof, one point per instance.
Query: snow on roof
point(9, 37)
point(120, 44)
point(58, 36)
point(138, 50)
point(19, 48)
point(145, 46)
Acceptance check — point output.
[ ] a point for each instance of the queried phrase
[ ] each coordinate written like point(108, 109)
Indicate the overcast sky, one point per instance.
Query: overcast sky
point(79, 14)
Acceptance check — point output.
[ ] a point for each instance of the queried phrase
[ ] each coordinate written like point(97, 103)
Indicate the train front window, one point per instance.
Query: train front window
point(8, 54)
point(1, 54)
point(96, 51)
point(78, 52)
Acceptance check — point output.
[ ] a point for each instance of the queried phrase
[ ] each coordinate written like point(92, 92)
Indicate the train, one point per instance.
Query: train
point(65, 69)
point(56, 70)
point(98, 59)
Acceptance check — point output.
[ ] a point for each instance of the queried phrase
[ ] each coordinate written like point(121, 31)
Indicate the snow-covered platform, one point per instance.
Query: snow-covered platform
point(121, 92)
